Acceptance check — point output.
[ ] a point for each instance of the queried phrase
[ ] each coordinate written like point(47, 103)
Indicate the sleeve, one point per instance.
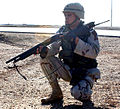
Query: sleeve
point(53, 48)
point(90, 48)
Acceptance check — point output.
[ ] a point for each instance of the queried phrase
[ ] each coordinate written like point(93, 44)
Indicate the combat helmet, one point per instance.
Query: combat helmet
point(76, 8)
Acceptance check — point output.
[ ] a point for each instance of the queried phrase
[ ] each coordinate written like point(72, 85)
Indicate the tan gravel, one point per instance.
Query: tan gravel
point(17, 93)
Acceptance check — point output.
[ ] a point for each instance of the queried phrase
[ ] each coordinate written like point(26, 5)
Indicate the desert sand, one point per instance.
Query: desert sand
point(18, 93)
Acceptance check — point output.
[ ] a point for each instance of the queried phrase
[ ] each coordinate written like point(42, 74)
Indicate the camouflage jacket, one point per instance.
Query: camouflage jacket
point(82, 54)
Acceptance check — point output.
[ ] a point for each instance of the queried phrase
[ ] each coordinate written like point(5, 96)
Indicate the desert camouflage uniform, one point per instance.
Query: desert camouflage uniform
point(56, 67)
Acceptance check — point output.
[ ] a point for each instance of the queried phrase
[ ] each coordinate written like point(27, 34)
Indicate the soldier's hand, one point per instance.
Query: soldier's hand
point(42, 50)
point(39, 49)
point(70, 36)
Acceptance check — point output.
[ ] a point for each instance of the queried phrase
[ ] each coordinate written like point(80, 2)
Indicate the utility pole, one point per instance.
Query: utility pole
point(111, 12)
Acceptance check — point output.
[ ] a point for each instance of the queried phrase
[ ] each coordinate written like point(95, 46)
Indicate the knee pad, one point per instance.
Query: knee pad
point(82, 91)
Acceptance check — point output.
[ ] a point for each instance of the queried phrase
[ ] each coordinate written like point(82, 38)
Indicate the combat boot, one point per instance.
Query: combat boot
point(48, 66)
point(87, 104)
point(55, 96)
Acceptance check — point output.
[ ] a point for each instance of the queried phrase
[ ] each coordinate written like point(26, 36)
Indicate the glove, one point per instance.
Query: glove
point(42, 50)
point(70, 36)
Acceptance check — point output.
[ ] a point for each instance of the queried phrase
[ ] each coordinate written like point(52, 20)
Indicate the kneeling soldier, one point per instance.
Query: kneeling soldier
point(76, 62)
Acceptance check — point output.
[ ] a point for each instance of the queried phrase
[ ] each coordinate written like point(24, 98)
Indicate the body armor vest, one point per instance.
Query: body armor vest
point(67, 53)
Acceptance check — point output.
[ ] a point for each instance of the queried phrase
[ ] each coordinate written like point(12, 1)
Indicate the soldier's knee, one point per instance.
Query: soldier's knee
point(82, 91)
point(64, 73)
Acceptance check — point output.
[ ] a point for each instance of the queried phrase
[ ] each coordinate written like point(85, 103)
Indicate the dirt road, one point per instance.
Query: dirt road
point(17, 93)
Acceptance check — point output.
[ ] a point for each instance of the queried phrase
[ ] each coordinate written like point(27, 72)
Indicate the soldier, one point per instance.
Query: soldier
point(76, 61)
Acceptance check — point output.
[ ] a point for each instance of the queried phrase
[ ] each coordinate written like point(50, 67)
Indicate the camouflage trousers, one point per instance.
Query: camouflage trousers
point(54, 68)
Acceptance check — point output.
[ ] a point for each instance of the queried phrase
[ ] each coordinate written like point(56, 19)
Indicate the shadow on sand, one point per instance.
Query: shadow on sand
point(59, 105)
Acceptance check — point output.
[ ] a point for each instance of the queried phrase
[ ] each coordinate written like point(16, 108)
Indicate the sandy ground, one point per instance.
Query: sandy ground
point(18, 93)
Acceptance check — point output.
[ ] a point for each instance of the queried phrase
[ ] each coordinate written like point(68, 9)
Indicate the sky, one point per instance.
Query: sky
point(49, 12)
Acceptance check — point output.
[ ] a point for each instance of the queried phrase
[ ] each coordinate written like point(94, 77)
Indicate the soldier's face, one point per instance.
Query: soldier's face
point(69, 17)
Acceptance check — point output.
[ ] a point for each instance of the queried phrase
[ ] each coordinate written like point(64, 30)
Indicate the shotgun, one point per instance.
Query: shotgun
point(45, 43)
